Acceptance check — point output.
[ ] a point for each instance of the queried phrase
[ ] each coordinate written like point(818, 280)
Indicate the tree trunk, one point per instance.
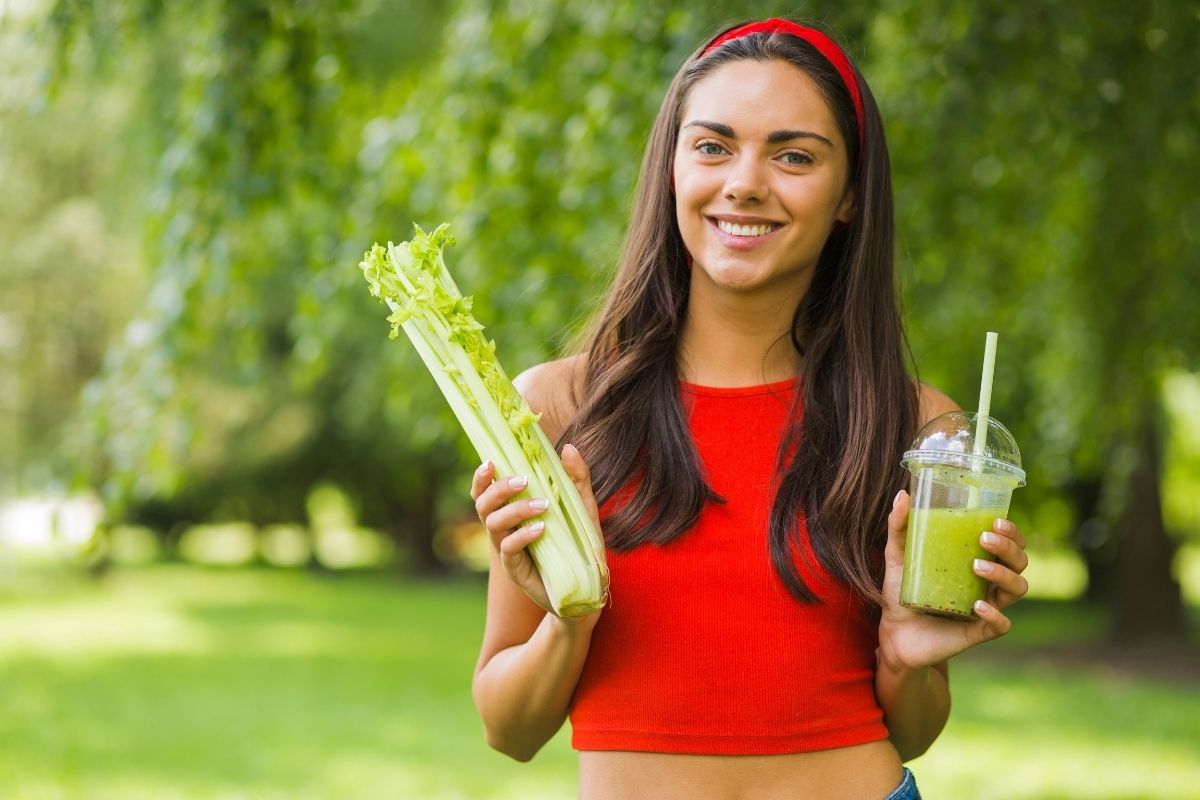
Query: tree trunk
point(1093, 537)
point(1146, 601)
point(412, 523)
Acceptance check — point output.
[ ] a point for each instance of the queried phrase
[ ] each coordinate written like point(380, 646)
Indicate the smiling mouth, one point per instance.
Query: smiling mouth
point(747, 231)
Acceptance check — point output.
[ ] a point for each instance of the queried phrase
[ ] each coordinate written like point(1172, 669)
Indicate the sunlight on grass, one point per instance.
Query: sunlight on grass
point(1040, 732)
point(134, 545)
point(1187, 572)
point(219, 544)
point(1055, 574)
point(285, 545)
point(98, 627)
point(181, 682)
point(990, 767)
point(47, 534)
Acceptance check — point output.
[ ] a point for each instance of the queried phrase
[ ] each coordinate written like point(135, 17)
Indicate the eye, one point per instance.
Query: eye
point(710, 149)
point(796, 159)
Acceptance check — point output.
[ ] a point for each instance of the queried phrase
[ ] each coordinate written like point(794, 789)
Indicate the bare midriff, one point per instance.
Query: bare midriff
point(863, 772)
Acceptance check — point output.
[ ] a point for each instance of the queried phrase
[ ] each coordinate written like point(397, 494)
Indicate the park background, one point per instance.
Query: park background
point(237, 558)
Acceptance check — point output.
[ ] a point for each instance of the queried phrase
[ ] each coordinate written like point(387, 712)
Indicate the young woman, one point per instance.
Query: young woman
point(742, 405)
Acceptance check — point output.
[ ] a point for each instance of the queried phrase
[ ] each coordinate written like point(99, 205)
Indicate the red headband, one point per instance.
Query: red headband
point(823, 43)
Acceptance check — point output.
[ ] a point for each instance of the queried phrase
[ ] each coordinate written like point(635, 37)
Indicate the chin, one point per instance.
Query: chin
point(736, 273)
point(733, 278)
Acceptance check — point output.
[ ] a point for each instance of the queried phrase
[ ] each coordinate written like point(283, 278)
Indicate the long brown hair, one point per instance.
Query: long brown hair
point(839, 456)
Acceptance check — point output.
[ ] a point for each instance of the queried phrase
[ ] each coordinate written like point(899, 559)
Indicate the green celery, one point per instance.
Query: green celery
point(412, 279)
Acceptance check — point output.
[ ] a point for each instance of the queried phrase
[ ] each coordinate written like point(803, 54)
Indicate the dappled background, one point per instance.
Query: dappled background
point(236, 553)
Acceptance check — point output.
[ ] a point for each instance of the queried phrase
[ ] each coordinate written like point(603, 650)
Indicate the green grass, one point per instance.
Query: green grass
point(1046, 713)
point(179, 682)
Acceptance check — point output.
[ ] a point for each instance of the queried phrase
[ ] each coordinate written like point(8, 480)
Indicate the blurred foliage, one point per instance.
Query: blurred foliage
point(1044, 163)
point(244, 379)
point(71, 270)
point(1181, 485)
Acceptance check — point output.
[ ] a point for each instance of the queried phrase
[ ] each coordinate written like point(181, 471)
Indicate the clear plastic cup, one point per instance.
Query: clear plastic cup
point(956, 495)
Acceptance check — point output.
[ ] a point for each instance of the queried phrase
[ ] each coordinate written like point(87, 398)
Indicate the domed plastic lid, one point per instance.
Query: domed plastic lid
point(949, 440)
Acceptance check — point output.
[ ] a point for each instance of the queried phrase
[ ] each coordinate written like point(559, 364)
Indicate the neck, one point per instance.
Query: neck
point(733, 339)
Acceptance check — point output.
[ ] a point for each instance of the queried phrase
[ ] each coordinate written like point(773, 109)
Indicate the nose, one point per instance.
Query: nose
point(746, 181)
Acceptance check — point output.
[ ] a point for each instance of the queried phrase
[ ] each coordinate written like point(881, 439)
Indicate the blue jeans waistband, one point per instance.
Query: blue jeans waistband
point(907, 790)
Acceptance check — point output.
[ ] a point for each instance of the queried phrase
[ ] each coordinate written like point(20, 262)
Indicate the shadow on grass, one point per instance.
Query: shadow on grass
point(1074, 637)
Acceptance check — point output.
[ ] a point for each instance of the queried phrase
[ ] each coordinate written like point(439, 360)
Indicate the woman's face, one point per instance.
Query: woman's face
point(760, 177)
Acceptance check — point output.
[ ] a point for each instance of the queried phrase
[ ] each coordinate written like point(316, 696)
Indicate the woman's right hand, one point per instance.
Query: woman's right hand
point(512, 525)
point(506, 526)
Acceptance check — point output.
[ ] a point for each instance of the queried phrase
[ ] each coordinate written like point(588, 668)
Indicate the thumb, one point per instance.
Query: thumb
point(898, 526)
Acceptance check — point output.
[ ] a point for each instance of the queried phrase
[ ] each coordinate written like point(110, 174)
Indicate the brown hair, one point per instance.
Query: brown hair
point(838, 459)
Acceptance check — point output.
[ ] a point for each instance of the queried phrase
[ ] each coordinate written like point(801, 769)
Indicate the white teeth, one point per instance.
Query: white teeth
point(744, 230)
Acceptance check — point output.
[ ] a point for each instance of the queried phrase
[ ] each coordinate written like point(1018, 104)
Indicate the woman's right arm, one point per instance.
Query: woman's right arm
point(531, 659)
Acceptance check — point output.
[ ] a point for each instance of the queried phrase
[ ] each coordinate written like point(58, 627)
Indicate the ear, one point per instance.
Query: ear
point(845, 210)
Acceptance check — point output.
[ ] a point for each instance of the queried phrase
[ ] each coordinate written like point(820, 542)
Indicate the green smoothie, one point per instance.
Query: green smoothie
point(939, 574)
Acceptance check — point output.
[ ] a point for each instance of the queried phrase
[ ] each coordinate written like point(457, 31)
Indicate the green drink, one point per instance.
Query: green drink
point(958, 490)
point(939, 576)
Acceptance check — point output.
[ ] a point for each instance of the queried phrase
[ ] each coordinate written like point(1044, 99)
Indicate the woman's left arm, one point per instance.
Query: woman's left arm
point(911, 673)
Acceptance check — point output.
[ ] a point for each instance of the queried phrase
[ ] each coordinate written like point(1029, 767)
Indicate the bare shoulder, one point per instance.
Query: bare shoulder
point(934, 403)
point(551, 389)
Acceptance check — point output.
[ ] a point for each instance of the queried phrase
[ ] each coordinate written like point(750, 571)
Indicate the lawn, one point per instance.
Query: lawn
point(182, 682)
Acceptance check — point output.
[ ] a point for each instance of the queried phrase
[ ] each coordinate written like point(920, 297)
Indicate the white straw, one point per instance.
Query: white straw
point(985, 393)
point(985, 408)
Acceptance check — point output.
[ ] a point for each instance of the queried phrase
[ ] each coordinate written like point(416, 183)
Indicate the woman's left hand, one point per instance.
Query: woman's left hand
point(911, 639)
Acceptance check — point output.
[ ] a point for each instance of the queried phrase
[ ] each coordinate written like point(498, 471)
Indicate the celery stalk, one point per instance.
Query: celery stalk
point(412, 279)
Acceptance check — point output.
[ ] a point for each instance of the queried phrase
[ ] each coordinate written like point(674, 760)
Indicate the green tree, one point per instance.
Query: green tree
point(254, 369)
point(1045, 159)
point(260, 365)
point(70, 268)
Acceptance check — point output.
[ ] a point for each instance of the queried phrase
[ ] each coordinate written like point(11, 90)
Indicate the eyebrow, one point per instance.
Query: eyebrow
point(774, 137)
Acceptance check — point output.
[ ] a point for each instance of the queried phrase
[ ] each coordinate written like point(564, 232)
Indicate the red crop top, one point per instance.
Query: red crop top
point(701, 648)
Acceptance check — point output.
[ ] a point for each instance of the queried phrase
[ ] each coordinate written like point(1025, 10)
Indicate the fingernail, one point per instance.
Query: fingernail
point(981, 607)
point(989, 538)
point(536, 527)
point(982, 565)
point(539, 504)
point(519, 482)
point(1002, 524)
point(483, 467)
point(896, 499)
